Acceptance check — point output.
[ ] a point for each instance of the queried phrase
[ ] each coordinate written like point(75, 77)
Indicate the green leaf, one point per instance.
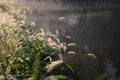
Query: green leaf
point(70, 67)
point(61, 76)
point(11, 44)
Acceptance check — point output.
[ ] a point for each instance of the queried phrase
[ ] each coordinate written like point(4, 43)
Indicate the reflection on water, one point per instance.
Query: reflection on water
point(92, 26)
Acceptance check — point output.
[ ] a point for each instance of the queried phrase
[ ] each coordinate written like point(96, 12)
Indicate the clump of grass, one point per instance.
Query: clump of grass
point(24, 56)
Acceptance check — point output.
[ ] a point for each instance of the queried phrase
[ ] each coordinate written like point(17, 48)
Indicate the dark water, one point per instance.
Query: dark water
point(94, 26)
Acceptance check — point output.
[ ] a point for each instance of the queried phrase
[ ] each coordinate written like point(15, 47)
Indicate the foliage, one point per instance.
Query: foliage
point(25, 55)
